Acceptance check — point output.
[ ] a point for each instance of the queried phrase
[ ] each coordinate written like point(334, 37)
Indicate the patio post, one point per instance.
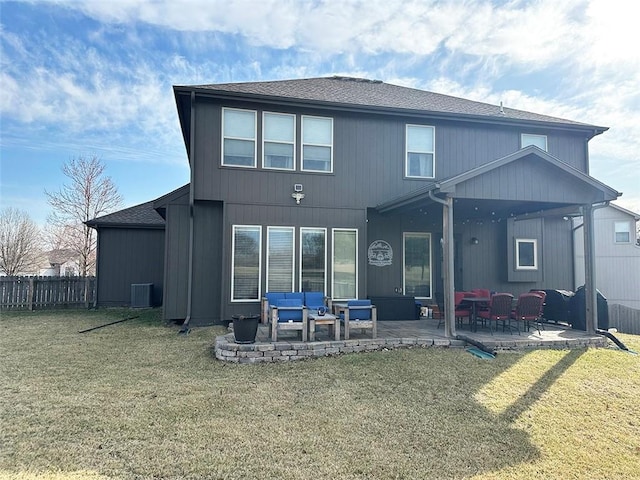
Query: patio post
point(448, 267)
point(591, 303)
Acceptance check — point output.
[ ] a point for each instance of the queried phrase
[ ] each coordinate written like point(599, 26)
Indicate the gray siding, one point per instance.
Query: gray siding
point(176, 261)
point(368, 159)
point(126, 256)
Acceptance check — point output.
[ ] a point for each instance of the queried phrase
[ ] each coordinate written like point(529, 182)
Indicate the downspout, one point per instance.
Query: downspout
point(447, 235)
point(185, 325)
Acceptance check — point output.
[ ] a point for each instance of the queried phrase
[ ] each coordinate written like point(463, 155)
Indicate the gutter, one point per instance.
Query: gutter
point(185, 325)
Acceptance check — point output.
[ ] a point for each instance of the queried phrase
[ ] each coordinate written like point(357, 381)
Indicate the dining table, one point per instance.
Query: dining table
point(475, 302)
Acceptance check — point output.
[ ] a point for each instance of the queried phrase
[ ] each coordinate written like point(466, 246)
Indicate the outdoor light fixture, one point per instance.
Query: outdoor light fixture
point(474, 241)
point(297, 193)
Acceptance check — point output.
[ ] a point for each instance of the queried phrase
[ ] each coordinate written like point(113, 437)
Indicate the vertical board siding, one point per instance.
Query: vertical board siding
point(625, 319)
point(176, 262)
point(129, 256)
point(30, 293)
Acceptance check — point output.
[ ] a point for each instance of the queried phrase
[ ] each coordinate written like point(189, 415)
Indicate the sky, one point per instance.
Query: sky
point(95, 77)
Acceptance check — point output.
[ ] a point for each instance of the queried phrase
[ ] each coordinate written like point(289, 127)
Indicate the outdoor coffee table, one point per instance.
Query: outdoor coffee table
point(327, 319)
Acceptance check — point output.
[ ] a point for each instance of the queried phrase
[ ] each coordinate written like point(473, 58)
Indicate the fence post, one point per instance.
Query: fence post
point(32, 292)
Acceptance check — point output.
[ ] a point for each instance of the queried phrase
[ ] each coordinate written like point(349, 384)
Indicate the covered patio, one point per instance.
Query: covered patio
point(422, 333)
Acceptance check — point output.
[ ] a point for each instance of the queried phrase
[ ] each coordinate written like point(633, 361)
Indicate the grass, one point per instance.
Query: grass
point(138, 401)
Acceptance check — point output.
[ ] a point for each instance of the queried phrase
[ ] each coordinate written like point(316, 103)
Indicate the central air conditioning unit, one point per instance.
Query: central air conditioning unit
point(141, 295)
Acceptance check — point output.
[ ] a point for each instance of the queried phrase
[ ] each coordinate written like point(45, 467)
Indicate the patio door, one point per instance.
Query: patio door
point(416, 264)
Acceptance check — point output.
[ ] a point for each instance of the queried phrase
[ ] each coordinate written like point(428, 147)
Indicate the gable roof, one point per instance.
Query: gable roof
point(143, 215)
point(636, 216)
point(347, 92)
point(449, 185)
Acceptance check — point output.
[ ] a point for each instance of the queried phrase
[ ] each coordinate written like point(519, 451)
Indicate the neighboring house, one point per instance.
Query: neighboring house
point(130, 251)
point(60, 262)
point(617, 255)
point(361, 188)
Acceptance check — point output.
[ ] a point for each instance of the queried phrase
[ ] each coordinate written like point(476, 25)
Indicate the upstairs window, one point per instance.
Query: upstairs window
point(539, 141)
point(317, 144)
point(526, 254)
point(279, 141)
point(623, 232)
point(420, 155)
point(239, 137)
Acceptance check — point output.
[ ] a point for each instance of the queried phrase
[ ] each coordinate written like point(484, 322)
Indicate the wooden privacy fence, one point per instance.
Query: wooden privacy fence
point(30, 293)
point(625, 319)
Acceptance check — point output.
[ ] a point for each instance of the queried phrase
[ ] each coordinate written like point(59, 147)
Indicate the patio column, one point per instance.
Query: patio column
point(448, 268)
point(590, 293)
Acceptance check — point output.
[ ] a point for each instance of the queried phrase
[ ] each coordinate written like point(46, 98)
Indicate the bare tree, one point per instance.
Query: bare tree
point(19, 242)
point(89, 194)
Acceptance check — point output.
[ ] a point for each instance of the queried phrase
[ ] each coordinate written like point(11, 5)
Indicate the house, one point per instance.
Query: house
point(60, 262)
point(617, 255)
point(361, 188)
point(130, 251)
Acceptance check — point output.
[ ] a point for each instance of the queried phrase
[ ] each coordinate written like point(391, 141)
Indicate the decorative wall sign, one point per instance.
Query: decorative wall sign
point(380, 253)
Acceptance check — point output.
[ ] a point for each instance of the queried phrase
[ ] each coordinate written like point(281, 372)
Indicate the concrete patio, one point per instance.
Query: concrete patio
point(397, 334)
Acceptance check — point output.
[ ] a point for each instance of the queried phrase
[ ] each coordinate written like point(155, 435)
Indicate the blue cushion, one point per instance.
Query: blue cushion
point(359, 313)
point(295, 296)
point(314, 300)
point(273, 297)
point(287, 315)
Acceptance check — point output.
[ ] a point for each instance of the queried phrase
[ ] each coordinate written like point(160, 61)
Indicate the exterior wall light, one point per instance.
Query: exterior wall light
point(474, 241)
point(297, 193)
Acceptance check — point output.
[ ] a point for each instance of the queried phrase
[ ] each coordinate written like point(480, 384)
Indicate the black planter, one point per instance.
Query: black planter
point(245, 328)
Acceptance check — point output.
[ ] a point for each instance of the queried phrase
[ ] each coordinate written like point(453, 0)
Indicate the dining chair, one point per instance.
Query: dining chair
point(529, 309)
point(499, 311)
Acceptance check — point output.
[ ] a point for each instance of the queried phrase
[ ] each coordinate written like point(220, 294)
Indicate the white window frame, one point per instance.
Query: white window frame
point(407, 151)
point(524, 143)
point(303, 144)
point(519, 241)
point(293, 255)
point(254, 139)
point(233, 249)
point(265, 140)
point(306, 229)
point(627, 230)
point(404, 251)
point(333, 269)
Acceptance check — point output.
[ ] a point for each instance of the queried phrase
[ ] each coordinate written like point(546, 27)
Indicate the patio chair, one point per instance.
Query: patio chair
point(359, 314)
point(499, 311)
point(462, 310)
point(289, 314)
point(529, 309)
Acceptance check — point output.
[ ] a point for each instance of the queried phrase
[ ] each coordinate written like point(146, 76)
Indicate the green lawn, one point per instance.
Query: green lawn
point(136, 400)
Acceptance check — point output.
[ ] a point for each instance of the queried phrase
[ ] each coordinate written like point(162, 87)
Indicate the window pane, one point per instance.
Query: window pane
point(419, 139)
point(246, 263)
point(420, 164)
point(239, 124)
point(280, 259)
point(313, 260)
point(317, 130)
point(539, 141)
point(344, 264)
point(417, 264)
point(623, 232)
point(526, 254)
point(278, 155)
point(239, 152)
point(278, 128)
point(316, 158)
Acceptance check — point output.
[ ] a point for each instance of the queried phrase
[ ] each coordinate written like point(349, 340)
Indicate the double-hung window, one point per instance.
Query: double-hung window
point(420, 154)
point(539, 141)
point(280, 259)
point(246, 262)
point(239, 137)
point(313, 259)
point(317, 144)
point(345, 263)
point(279, 133)
point(623, 232)
point(526, 254)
